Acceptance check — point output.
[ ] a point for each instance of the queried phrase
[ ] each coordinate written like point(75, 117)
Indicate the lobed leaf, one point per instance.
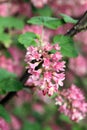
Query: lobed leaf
point(9, 82)
point(10, 85)
point(11, 22)
point(48, 22)
point(68, 19)
point(28, 39)
point(6, 74)
point(67, 45)
point(5, 39)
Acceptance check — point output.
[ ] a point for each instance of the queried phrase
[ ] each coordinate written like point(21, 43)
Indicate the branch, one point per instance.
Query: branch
point(78, 27)
point(81, 25)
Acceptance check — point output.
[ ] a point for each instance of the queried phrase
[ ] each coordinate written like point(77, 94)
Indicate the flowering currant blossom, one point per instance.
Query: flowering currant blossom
point(46, 69)
point(72, 103)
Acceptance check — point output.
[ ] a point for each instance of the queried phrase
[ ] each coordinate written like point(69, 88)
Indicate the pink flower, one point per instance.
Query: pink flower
point(46, 69)
point(47, 76)
point(46, 63)
point(72, 103)
point(48, 47)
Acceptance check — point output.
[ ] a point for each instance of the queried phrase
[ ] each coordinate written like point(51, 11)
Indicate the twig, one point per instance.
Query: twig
point(81, 25)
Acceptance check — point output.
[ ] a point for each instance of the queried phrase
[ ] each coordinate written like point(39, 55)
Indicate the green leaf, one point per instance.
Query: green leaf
point(67, 45)
point(28, 39)
point(5, 39)
point(10, 85)
point(11, 22)
point(4, 114)
point(48, 22)
point(9, 82)
point(68, 19)
point(6, 74)
point(31, 126)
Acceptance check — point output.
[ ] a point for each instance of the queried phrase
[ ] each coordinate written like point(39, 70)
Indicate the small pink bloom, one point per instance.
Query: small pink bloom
point(48, 47)
point(46, 63)
point(57, 56)
point(56, 47)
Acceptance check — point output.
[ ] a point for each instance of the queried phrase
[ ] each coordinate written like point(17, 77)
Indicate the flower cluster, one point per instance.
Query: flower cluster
point(72, 103)
point(46, 69)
